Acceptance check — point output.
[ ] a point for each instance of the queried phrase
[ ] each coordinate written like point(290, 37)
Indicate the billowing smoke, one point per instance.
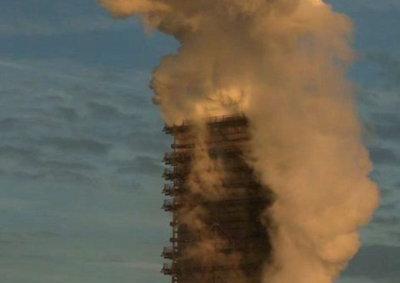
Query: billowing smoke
point(283, 63)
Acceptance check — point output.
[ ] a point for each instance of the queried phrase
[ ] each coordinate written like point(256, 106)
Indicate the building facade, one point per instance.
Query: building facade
point(216, 203)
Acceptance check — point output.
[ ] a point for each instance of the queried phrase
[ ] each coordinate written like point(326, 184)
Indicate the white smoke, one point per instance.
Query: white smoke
point(283, 63)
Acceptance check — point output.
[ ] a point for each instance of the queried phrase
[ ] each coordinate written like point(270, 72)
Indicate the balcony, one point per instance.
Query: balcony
point(168, 190)
point(168, 268)
point(171, 190)
point(175, 157)
point(170, 204)
point(168, 252)
point(172, 175)
point(182, 146)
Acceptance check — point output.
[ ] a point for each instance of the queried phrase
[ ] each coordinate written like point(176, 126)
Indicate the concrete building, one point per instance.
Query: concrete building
point(230, 244)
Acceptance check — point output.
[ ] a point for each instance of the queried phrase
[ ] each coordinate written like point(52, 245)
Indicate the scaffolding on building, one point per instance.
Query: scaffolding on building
point(235, 218)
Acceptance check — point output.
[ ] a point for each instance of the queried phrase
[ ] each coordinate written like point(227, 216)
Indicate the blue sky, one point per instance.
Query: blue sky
point(81, 143)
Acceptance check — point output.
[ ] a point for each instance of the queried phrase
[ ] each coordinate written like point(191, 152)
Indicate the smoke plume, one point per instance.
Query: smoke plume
point(283, 63)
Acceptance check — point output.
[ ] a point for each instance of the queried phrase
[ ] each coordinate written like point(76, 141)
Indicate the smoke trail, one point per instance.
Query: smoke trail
point(283, 63)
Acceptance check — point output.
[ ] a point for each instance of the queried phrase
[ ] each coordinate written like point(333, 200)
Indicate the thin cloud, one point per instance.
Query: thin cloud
point(377, 262)
point(54, 71)
point(67, 26)
point(77, 145)
point(384, 156)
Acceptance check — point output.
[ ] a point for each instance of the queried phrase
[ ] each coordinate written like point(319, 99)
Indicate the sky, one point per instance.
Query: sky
point(81, 143)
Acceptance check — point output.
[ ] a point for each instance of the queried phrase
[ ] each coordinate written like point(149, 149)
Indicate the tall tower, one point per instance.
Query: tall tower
point(231, 245)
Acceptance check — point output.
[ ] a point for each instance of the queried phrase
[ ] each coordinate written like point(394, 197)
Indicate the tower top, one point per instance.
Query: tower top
point(215, 121)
